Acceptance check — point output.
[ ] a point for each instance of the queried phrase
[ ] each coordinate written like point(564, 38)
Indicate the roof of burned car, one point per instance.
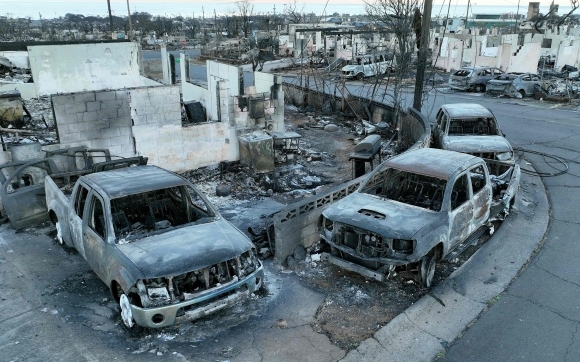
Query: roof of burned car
point(431, 162)
point(133, 180)
point(462, 110)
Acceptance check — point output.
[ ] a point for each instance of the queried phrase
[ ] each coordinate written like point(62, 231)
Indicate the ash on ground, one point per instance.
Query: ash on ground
point(356, 307)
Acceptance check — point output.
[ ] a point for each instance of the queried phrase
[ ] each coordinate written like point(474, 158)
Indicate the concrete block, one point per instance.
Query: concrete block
point(125, 131)
point(101, 143)
point(69, 137)
point(173, 118)
point(58, 108)
point(117, 150)
point(124, 110)
point(93, 106)
point(120, 122)
point(110, 132)
point(111, 105)
point(122, 94)
point(90, 116)
point(90, 135)
point(129, 149)
point(107, 113)
point(120, 140)
point(74, 128)
point(84, 97)
point(65, 118)
point(153, 118)
point(63, 99)
point(105, 96)
point(75, 108)
point(100, 124)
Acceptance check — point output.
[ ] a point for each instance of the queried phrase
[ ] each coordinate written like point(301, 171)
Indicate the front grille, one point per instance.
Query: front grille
point(363, 242)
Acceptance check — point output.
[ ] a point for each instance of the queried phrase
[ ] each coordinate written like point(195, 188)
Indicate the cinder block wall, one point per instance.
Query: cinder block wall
point(95, 120)
point(159, 134)
point(297, 223)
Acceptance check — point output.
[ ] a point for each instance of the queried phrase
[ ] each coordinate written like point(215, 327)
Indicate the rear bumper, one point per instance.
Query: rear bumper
point(227, 296)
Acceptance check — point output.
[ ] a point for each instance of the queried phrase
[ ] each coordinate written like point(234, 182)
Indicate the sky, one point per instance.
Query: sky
point(56, 8)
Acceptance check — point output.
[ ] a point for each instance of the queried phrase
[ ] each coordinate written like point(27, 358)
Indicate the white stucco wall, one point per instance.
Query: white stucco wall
point(568, 54)
point(18, 59)
point(85, 67)
point(263, 82)
point(219, 72)
point(526, 59)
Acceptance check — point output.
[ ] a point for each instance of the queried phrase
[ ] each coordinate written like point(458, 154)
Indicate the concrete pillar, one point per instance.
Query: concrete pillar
point(278, 99)
point(165, 64)
point(318, 40)
point(184, 66)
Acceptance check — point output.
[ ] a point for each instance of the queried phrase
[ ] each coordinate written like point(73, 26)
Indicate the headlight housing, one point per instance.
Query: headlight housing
point(403, 246)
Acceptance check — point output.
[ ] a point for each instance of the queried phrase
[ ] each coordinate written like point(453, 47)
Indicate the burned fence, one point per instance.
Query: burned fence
point(297, 223)
point(357, 106)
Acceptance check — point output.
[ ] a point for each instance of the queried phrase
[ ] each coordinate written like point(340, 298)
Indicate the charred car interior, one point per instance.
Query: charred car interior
point(141, 215)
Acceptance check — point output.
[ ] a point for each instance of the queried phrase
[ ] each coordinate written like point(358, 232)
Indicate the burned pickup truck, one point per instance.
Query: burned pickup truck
point(164, 252)
point(414, 209)
point(473, 129)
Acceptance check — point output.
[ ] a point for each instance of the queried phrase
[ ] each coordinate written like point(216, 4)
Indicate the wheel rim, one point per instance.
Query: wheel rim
point(59, 233)
point(126, 313)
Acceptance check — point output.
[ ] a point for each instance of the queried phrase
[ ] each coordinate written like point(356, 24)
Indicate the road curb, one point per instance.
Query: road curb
point(425, 329)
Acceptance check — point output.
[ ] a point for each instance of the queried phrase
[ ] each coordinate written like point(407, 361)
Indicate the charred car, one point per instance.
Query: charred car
point(414, 209)
point(473, 129)
point(473, 79)
point(164, 252)
point(514, 84)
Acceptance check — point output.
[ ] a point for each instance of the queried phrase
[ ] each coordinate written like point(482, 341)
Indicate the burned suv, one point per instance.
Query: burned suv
point(473, 129)
point(473, 79)
point(413, 210)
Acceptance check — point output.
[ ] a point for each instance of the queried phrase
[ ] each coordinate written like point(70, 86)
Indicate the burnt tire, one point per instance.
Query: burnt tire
point(360, 76)
point(427, 269)
point(479, 88)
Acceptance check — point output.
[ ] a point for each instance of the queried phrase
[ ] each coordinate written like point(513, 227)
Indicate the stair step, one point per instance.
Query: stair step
point(471, 240)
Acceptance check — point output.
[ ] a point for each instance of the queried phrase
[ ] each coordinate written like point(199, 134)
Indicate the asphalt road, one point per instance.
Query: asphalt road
point(538, 316)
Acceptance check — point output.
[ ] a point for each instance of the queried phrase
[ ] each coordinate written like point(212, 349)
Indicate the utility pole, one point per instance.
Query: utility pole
point(517, 17)
point(130, 25)
point(110, 16)
point(423, 48)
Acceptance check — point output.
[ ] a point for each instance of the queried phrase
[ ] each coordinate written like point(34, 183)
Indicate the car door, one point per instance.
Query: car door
point(95, 233)
point(75, 217)
point(530, 86)
point(481, 191)
point(460, 210)
point(442, 129)
point(22, 192)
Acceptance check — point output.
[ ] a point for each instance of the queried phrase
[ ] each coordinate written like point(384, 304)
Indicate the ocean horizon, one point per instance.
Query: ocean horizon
point(34, 9)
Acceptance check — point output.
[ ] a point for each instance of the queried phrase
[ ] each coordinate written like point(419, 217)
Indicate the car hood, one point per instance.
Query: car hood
point(470, 144)
point(186, 249)
point(400, 221)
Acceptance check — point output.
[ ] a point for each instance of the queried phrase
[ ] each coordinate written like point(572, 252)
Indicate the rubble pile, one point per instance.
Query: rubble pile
point(37, 124)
